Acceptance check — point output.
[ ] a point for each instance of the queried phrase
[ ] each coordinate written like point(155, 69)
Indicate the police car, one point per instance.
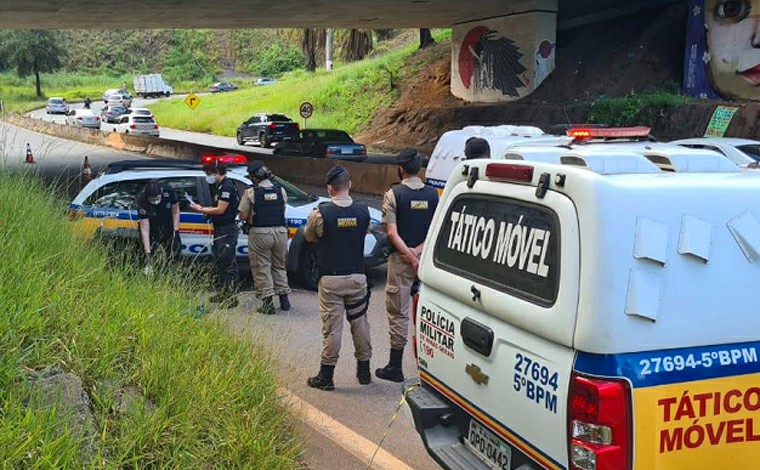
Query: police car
point(594, 312)
point(106, 208)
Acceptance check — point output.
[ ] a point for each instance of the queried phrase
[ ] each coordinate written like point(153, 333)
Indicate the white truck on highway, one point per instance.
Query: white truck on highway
point(152, 85)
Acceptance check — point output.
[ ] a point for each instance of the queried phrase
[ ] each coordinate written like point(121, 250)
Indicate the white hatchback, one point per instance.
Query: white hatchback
point(83, 118)
point(137, 125)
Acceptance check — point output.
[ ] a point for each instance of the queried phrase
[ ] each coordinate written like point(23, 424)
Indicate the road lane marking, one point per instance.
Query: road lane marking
point(357, 445)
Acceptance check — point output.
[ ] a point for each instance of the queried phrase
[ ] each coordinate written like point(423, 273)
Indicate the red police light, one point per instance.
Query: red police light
point(228, 159)
point(608, 132)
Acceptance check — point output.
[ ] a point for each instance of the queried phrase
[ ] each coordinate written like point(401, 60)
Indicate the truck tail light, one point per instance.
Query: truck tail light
point(511, 172)
point(133, 126)
point(155, 126)
point(298, 127)
point(272, 125)
point(97, 118)
point(79, 118)
point(599, 424)
point(415, 302)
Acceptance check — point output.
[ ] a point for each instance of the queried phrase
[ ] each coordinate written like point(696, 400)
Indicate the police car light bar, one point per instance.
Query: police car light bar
point(228, 159)
point(510, 172)
point(608, 132)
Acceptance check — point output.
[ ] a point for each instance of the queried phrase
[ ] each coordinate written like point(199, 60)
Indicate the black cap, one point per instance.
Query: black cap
point(477, 147)
point(255, 166)
point(215, 167)
point(152, 189)
point(334, 172)
point(408, 156)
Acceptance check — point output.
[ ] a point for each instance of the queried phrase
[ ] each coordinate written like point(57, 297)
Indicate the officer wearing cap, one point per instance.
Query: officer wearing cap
point(158, 214)
point(263, 208)
point(477, 147)
point(339, 227)
point(408, 210)
point(223, 213)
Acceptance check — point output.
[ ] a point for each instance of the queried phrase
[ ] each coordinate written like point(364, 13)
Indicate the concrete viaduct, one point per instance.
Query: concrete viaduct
point(501, 49)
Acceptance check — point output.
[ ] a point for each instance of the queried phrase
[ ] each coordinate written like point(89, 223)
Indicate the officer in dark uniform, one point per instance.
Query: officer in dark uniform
point(477, 147)
point(226, 231)
point(263, 208)
point(158, 213)
point(339, 227)
point(408, 210)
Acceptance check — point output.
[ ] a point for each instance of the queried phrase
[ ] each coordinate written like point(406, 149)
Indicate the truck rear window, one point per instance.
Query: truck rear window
point(503, 243)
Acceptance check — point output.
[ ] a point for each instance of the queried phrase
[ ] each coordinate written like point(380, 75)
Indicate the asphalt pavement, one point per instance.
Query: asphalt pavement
point(180, 135)
point(294, 337)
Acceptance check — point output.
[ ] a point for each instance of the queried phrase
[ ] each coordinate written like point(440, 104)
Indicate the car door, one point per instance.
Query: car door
point(195, 229)
point(249, 130)
point(111, 213)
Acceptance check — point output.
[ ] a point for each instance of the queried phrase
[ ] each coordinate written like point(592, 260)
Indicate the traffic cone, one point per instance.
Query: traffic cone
point(86, 170)
point(29, 156)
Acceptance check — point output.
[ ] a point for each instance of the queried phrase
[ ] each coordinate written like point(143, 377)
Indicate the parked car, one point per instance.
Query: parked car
point(140, 112)
point(114, 91)
point(57, 105)
point(137, 125)
point(323, 143)
point(265, 129)
point(112, 112)
point(83, 118)
point(106, 208)
point(265, 81)
point(123, 99)
point(222, 86)
point(743, 152)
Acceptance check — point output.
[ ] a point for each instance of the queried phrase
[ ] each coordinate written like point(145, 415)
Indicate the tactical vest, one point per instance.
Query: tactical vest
point(414, 212)
point(268, 206)
point(340, 250)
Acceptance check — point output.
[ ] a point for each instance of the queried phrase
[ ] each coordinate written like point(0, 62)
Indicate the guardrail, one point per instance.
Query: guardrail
point(366, 178)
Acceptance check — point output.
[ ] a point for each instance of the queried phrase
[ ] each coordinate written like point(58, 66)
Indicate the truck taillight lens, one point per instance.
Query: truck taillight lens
point(133, 126)
point(298, 127)
point(415, 302)
point(599, 424)
point(272, 125)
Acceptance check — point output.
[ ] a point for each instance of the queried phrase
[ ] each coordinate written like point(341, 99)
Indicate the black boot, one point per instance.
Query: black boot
point(324, 379)
point(284, 302)
point(267, 306)
point(362, 372)
point(392, 371)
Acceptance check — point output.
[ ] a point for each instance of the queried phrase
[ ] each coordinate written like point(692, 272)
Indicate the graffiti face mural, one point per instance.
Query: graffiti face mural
point(488, 60)
point(723, 49)
point(502, 59)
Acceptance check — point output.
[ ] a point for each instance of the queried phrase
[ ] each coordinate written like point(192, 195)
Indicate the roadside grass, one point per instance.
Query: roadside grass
point(645, 108)
point(68, 305)
point(345, 98)
point(18, 94)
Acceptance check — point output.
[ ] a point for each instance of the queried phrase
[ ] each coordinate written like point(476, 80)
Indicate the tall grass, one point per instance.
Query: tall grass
point(345, 98)
point(67, 305)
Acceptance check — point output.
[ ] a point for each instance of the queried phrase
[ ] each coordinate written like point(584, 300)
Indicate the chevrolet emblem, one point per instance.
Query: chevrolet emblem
point(477, 375)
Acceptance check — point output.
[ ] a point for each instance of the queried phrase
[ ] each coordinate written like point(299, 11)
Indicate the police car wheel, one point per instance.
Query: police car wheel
point(307, 267)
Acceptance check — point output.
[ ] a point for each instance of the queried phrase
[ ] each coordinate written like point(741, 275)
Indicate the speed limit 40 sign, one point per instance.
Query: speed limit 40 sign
point(306, 110)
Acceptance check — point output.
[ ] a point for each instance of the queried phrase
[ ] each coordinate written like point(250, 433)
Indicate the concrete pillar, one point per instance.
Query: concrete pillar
point(329, 49)
point(504, 58)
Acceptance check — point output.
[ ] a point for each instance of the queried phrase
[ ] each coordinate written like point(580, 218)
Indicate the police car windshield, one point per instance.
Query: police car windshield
point(296, 196)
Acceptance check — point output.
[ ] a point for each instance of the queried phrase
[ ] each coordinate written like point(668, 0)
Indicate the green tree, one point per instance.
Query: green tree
point(31, 52)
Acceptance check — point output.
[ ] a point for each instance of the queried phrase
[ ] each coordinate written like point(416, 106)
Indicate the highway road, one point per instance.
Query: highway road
point(359, 415)
point(184, 136)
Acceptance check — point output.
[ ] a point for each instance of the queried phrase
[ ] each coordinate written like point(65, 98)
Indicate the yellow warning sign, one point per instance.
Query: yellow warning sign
point(192, 101)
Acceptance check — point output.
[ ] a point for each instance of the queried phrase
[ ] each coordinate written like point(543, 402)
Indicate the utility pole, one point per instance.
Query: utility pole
point(329, 49)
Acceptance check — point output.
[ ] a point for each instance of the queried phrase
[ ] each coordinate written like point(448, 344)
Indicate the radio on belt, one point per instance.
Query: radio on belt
point(591, 308)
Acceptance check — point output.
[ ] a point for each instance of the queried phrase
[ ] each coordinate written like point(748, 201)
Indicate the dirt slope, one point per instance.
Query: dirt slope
point(630, 54)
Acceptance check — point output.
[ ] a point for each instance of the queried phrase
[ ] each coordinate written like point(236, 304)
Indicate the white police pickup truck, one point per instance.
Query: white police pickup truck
point(106, 208)
point(595, 312)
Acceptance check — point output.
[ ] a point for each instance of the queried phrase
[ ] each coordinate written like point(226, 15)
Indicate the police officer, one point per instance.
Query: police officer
point(339, 227)
point(408, 209)
point(477, 147)
point(158, 214)
point(263, 208)
point(226, 202)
